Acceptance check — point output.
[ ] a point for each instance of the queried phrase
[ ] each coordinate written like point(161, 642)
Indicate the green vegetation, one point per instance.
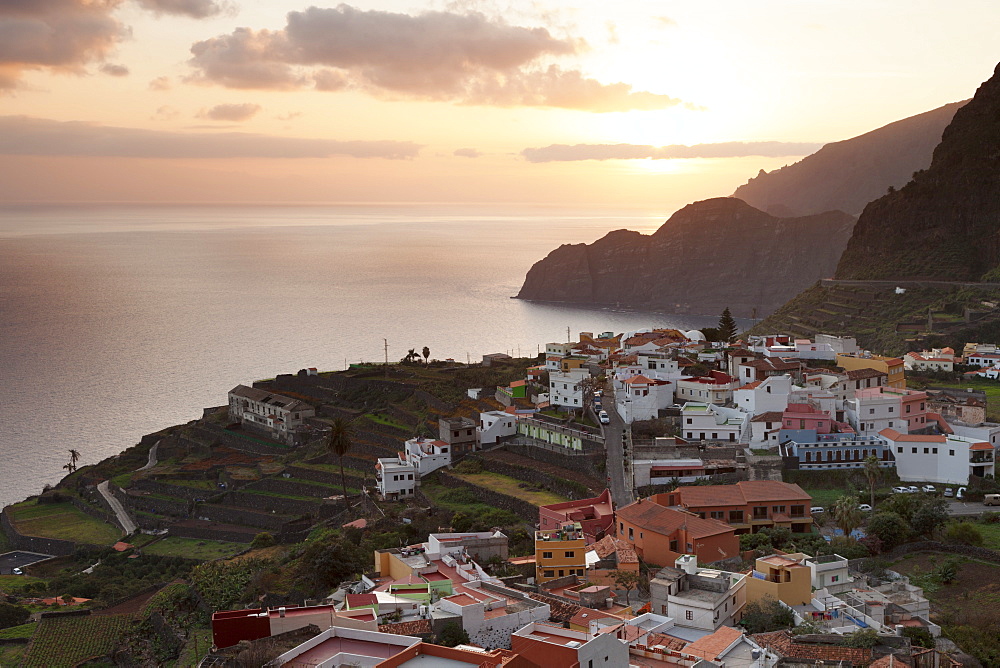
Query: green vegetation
point(966, 533)
point(512, 487)
point(68, 641)
point(991, 535)
point(63, 521)
point(224, 583)
point(20, 631)
point(766, 615)
point(193, 548)
point(15, 583)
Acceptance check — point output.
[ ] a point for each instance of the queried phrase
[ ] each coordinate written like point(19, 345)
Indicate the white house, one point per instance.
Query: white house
point(929, 361)
point(763, 396)
point(494, 425)
point(277, 415)
point(983, 359)
point(699, 598)
point(427, 455)
point(642, 398)
point(940, 458)
point(659, 366)
point(396, 478)
point(545, 639)
point(708, 422)
point(830, 572)
point(716, 388)
point(765, 429)
point(566, 387)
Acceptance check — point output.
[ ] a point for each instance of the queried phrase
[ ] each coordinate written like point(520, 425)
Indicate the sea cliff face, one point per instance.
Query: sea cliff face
point(709, 255)
point(945, 223)
point(846, 175)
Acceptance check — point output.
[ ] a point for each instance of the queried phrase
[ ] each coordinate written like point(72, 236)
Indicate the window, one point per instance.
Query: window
point(871, 411)
point(899, 450)
point(914, 451)
point(951, 453)
point(927, 451)
point(561, 572)
point(548, 574)
point(891, 409)
point(570, 554)
point(621, 525)
point(546, 555)
point(688, 614)
point(934, 451)
point(630, 536)
point(736, 517)
point(689, 420)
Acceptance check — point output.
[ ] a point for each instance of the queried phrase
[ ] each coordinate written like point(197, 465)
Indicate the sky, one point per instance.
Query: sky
point(631, 104)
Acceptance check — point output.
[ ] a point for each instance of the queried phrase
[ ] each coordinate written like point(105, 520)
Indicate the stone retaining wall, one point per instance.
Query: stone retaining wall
point(205, 533)
point(935, 546)
point(105, 514)
point(151, 504)
point(568, 488)
point(523, 509)
point(252, 443)
point(284, 486)
point(267, 504)
point(241, 516)
point(34, 543)
point(582, 463)
point(179, 491)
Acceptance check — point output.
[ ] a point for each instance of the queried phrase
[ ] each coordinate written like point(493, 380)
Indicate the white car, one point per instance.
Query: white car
point(17, 571)
point(930, 489)
point(949, 492)
point(900, 490)
point(865, 508)
point(816, 510)
point(913, 489)
point(603, 417)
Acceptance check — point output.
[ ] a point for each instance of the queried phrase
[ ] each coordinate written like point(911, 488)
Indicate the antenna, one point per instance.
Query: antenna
point(567, 335)
point(386, 341)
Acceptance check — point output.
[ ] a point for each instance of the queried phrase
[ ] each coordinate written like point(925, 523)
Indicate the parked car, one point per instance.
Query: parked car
point(913, 489)
point(991, 500)
point(900, 490)
point(949, 492)
point(865, 508)
point(17, 571)
point(960, 494)
point(603, 417)
point(930, 489)
point(598, 394)
point(816, 510)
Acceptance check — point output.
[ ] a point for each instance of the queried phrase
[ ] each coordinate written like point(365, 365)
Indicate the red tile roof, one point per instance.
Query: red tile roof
point(662, 520)
point(861, 374)
point(790, 646)
point(894, 435)
point(742, 493)
point(713, 645)
point(770, 416)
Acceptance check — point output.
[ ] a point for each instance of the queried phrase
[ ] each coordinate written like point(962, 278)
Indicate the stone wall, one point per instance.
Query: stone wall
point(252, 443)
point(568, 488)
point(582, 463)
point(34, 543)
point(151, 504)
point(271, 504)
point(283, 486)
point(179, 491)
point(523, 509)
point(232, 515)
point(207, 533)
point(104, 513)
point(934, 546)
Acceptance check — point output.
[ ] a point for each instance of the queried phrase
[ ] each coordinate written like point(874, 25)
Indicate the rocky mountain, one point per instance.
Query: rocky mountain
point(945, 223)
point(846, 175)
point(709, 255)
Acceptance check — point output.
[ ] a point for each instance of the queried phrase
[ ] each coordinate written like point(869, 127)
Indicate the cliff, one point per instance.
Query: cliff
point(709, 255)
point(846, 175)
point(945, 223)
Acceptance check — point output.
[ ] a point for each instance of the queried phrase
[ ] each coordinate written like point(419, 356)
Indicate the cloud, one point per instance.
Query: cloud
point(165, 113)
point(196, 9)
point(665, 21)
point(733, 149)
point(231, 112)
point(114, 70)
point(21, 135)
point(55, 35)
point(467, 153)
point(160, 83)
point(466, 58)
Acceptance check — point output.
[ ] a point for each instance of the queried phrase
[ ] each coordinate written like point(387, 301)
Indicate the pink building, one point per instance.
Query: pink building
point(906, 408)
point(596, 516)
point(807, 416)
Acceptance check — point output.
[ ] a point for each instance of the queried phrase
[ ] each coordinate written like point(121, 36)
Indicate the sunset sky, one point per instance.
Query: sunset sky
point(624, 104)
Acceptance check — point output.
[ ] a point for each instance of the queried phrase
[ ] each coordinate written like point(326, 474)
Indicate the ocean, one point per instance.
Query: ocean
point(117, 321)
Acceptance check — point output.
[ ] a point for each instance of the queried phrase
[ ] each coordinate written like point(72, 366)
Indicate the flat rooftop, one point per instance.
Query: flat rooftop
point(331, 647)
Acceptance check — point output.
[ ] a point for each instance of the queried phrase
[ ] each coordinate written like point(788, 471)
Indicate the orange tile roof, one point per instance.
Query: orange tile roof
point(653, 517)
point(788, 646)
point(894, 435)
point(713, 645)
point(980, 446)
point(889, 661)
point(742, 493)
point(584, 616)
point(420, 627)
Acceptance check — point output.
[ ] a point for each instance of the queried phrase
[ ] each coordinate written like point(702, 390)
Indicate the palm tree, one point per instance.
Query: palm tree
point(74, 456)
point(873, 472)
point(427, 355)
point(339, 443)
point(846, 514)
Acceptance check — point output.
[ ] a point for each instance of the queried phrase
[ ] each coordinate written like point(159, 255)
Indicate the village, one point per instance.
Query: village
point(650, 498)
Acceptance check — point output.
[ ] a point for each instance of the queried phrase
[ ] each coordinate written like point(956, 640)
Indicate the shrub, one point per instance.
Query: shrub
point(862, 638)
point(919, 636)
point(889, 528)
point(263, 539)
point(966, 533)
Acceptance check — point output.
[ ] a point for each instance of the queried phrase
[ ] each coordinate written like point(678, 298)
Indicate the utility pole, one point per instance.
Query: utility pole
point(386, 342)
point(567, 335)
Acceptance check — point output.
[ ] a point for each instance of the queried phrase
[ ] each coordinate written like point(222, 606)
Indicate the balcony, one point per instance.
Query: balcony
point(981, 459)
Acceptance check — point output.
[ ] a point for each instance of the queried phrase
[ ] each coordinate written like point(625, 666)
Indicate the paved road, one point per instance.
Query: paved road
point(152, 458)
point(116, 505)
point(620, 482)
point(969, 508)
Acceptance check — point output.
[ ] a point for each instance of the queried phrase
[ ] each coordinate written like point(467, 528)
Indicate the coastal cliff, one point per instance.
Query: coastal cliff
point(711, 254)
point(846, 175)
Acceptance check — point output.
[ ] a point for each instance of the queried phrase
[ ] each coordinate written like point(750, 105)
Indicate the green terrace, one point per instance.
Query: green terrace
point(63, 521)
point(193, 548)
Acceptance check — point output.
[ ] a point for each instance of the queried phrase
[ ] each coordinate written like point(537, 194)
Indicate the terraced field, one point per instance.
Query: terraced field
point(67, 641)
point(63, 521)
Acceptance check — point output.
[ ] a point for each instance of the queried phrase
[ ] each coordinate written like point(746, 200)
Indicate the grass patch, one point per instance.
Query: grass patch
point(387, 421)
point(12, 583)
point(198, 644)
point(72, 640)
point(512, 487)
point(11, 655)
point(63, 521)
point(194, 484)
point(828, 497)
point(193, 548)
point(123, 480)
point(279, 495)
point(22, 631)
point(991, 535)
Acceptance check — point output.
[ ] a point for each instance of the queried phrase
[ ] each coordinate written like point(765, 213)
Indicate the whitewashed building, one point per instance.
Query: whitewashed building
point(494, 425)
point(763, 396)
point(641, 398)
point(947, 459)
point(566, 387)
point(708, 422)
point(274, 414)
point(396, 478)
point(427, 455)
point(699, 598)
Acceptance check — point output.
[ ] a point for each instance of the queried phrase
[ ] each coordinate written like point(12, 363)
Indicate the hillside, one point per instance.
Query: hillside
point(945, 223)
point(846, 175)
point(709, 255)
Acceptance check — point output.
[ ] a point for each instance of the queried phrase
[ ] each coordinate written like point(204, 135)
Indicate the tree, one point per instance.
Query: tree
point(452, 635)
point(846, 514)
point(874, 473)
point(766, 614)
point(427, 355)
point(929, 516)
point(627, 580)
point(74, 456)
point(339, 443)
point(12, 615)
point(862, 638)
point(889, 528)
point(727, 326)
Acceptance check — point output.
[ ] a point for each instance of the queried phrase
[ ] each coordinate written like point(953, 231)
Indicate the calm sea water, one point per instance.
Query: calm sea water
point(119, 321)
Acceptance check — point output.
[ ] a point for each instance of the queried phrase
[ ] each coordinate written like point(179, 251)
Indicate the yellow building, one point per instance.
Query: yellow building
point(560, 552)
point(781, 576)
point(891, 366)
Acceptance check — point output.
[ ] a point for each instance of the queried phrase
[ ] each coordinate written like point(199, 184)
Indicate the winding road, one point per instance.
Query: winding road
point(127, 524)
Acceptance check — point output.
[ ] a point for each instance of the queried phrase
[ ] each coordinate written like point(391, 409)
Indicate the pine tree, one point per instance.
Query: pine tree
point(727, 327)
